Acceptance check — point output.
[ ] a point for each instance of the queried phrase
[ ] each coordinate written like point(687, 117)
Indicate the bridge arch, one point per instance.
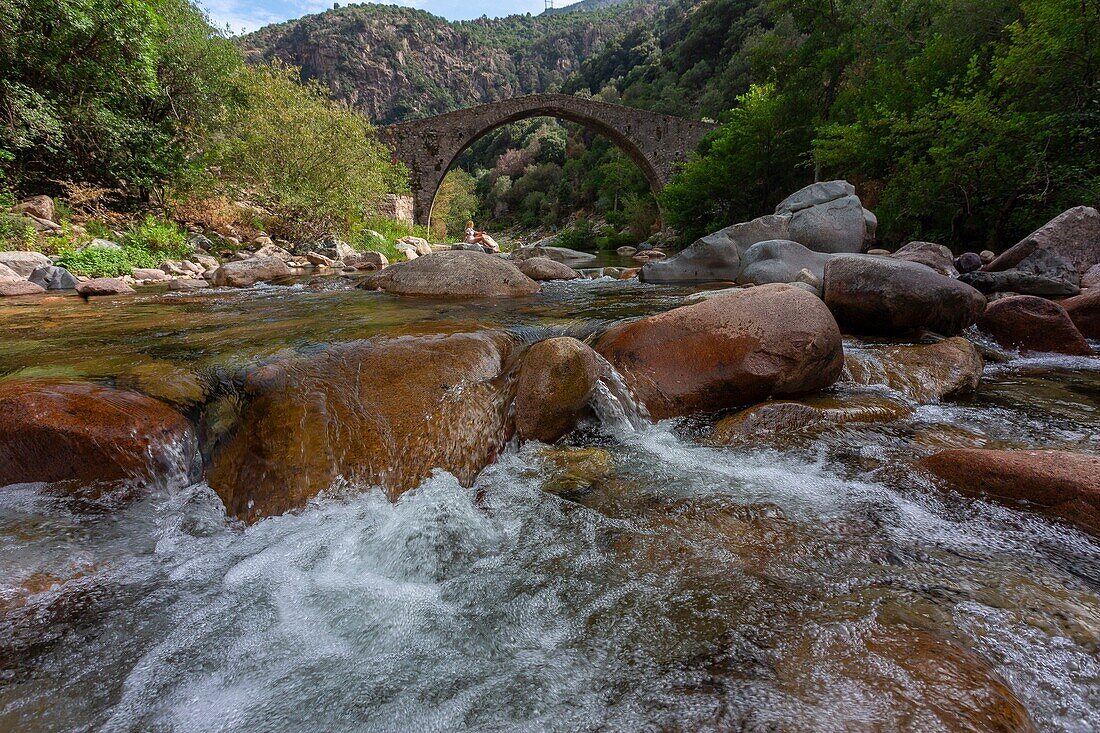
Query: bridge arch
point(429, 147)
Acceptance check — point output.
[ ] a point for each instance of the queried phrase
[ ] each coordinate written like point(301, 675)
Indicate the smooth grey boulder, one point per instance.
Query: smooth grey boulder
point(103, 244)
point(833, 226)
point(1074, 234)
point(814, 195)
point(779, 261)
point(52, 277)
point(716, 256)
point(881, 295)
point(1043, 272)
point(566, 256)
point(24, 263)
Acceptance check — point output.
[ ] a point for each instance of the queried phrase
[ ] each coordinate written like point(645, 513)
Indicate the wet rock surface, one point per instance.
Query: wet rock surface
point(1033, 324)
point(1059, 483)
point(731, 350)
point(554, 386)
point(57, 431)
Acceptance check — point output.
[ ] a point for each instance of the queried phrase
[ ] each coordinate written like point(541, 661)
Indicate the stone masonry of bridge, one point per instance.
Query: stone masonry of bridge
point(656, 142)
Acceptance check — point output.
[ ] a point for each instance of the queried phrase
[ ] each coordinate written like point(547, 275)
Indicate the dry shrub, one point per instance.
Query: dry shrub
point(217, 213)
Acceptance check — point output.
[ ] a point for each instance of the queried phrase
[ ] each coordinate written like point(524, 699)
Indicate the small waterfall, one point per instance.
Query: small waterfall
point(614, 404)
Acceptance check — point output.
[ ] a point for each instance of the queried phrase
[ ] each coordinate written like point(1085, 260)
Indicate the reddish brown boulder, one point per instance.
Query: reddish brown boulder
point(555, 384)
point(103, 286)
point(456, 274)
point(1031, 323)
point(53, 431)
point(381, 412)
point(544, 268)
point(1059, 483)
point(19, 287)
point(728, 351)
point(1084, 311)
point(249, 272)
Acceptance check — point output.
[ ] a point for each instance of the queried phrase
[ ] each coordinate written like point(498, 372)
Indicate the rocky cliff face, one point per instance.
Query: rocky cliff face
point(397, 63)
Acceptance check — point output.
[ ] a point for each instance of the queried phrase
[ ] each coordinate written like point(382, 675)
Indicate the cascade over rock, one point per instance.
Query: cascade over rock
point(728, 351)
point(383, 412)
point(554, 387)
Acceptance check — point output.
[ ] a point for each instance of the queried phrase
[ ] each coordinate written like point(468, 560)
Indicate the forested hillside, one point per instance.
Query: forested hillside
point(397, 63)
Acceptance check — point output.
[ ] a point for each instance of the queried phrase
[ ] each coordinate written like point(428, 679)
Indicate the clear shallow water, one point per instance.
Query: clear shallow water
point(632, 580)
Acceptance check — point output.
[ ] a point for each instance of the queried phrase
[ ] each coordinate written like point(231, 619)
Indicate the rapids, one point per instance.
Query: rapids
point(637, 578)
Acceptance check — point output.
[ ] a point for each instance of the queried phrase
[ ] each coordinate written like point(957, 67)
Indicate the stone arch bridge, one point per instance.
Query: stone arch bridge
point(429, 147)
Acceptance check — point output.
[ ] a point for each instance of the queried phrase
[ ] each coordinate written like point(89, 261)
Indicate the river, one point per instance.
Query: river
point(636, 578)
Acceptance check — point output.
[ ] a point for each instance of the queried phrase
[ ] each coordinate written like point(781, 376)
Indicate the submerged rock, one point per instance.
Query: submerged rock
point(243, 273)
point(555, 385)
point(924, 373)
point(727, 351)
point(1058, 483)
point(811, 414)
point(544, 268)
point(1030, 323)
point(54, 431)
point(381, 412)
point(458, 274)
point(880, 295)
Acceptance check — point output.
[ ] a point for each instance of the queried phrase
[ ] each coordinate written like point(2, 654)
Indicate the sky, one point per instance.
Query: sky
point(248, 15)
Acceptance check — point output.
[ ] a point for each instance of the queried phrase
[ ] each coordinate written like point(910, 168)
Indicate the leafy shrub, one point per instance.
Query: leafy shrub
point(157, 237)
point(16, 232)
point(581, 235)
point(99, 262)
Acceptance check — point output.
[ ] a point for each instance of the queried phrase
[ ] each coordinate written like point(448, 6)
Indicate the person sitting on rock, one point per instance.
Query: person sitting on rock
point(473, 236)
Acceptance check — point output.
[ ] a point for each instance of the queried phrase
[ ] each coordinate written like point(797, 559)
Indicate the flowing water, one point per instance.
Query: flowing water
point(638, 578)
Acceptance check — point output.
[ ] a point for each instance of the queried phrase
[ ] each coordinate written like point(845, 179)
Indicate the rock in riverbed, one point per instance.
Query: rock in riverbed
point(1084, 311)
point(1057, 483)
point(457, 274)
point(554, 387)
point(544, 268)
point(51, 277)
point(19, 287)
point(381, 412)
point(249, 272)
point(24, 263)
point(103, 286)
point(881, 295)
point(1030, 323)
point(53, 431)
point(727, 351)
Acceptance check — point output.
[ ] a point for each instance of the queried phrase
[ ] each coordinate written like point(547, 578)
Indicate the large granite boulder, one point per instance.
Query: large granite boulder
point(936, 256)
point(544, 268)
point(1033, 324)
point(1057, 483)
point(419, 245)
point(564, 255)
point(382, 412)
point(728, 351)
point(24, 263)
point(828, 217)
point(52, 277)
point(880, 295)
point(369, 261)
point(716, 256)
point(457, 274)
point(780, 261)
point(1074, 234)
point(554, 387)
point(40, 207)
point(1043, 272)
point(243, 273)
point(1084, 311)
point(54, 431)
point(6, 273)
